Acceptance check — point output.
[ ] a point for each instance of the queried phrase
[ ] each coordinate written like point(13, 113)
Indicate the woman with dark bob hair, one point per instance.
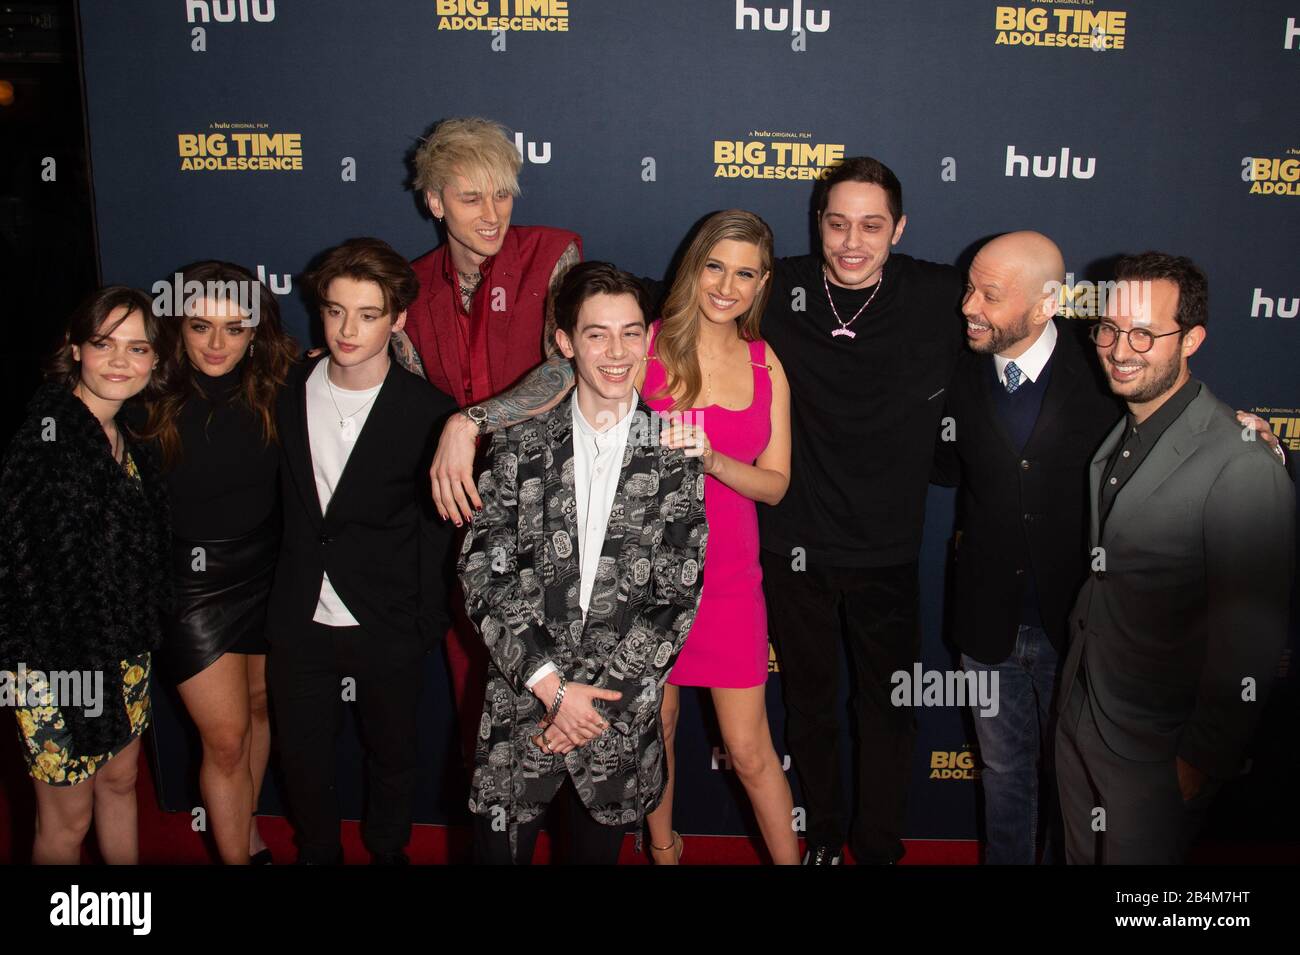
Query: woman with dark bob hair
point(225, 357)
point(83, 579)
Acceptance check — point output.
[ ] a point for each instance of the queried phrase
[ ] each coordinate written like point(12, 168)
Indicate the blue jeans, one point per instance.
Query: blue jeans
point(1011, 745)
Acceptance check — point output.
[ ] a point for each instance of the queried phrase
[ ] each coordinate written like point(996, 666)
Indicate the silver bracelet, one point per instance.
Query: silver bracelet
point(559, 698)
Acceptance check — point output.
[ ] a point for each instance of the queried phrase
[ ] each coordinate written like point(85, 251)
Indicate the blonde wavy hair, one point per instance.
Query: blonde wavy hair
point(676, 345)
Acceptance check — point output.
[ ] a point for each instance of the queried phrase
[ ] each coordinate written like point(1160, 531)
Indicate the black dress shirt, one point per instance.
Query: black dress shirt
point(1138, 441)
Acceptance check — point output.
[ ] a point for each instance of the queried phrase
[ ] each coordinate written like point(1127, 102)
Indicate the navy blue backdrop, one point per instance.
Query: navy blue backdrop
point(637, 118)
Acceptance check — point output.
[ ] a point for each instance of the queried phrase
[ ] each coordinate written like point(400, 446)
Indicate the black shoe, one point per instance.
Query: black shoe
point(390, 858)
point(823, 855)
point(261, 858)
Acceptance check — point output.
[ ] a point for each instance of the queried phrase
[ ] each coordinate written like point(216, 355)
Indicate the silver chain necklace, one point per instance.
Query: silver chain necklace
point(844, 326)
point(346, 423)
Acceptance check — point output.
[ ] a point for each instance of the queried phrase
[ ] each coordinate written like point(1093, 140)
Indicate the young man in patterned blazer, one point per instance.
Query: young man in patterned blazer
point(582, 574)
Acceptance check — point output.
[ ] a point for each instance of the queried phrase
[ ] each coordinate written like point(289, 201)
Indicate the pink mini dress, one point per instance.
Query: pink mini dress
point(727, 645)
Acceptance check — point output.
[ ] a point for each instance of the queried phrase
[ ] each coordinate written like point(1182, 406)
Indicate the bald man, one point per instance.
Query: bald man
point(1029, 406)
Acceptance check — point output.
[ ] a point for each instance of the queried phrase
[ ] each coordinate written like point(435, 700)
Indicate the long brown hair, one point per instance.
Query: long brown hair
point(264, 370)
point(676, 345)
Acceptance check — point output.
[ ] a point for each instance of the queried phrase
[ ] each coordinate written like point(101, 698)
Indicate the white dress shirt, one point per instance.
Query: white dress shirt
point(597, 464)
point(1032, 362)
point(331, 445)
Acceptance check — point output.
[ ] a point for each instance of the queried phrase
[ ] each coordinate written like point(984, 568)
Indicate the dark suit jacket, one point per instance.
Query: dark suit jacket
point(386, 550)
point(1193, 598)
point(521, 574)
point(1026, 511)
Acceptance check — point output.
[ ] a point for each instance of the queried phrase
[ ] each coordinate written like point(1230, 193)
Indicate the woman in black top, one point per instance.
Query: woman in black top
point(224, 360)
point(83, 582)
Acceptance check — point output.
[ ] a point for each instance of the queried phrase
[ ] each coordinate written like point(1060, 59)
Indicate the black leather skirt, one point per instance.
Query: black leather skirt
point(221, 592)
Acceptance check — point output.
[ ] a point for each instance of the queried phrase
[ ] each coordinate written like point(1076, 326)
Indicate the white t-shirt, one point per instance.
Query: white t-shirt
point(335, 417)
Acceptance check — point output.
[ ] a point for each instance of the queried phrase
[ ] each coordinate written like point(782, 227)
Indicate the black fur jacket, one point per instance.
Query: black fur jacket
point(84, 575)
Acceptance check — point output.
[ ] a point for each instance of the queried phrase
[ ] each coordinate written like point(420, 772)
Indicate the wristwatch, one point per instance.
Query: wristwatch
point(477, 415)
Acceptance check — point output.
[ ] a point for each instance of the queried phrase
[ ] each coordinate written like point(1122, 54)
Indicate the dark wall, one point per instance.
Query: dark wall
point(47, 249)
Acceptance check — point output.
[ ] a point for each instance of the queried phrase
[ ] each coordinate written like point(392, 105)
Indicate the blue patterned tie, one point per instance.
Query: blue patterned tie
point(1013, 375)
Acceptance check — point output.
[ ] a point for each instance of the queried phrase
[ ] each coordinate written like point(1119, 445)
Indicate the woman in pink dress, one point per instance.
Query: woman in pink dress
point(727, 400)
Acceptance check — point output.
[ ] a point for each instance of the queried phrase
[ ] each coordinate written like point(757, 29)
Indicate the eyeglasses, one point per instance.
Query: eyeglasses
point(1140, 340)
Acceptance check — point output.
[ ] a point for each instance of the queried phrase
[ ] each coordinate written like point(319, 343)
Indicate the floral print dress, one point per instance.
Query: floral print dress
point(48, 745)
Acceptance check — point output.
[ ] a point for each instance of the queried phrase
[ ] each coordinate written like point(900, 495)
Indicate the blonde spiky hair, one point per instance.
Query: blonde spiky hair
point(478, 149)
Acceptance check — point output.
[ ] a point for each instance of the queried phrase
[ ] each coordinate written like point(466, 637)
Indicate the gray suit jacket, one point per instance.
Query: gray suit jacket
point(1192, 600)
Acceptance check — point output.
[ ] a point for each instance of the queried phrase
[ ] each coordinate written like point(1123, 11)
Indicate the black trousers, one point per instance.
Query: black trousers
point(811, 614)
point(306, 673)
point(589, 842)
point(1119, 811)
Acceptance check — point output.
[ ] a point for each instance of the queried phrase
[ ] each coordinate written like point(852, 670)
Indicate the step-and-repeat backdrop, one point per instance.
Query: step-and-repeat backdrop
point(264, 131)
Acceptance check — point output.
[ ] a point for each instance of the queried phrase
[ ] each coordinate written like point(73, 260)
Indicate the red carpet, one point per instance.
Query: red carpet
point(166, 837)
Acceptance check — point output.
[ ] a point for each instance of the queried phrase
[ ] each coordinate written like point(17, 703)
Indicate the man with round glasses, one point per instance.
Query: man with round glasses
point(1103, 335)
point(1140, 339)
point(1176, 634)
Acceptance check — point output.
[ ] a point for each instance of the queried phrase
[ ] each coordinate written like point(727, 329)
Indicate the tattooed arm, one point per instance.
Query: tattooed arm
point(405, 354)
point(567, 260)
point(543, 387)
point(452, 474)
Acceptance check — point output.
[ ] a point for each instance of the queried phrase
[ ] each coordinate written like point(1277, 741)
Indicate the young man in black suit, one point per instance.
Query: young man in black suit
point(361, 588)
